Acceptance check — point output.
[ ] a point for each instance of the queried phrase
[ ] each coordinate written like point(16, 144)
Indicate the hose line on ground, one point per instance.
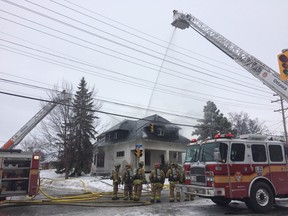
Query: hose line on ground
point(88, 199)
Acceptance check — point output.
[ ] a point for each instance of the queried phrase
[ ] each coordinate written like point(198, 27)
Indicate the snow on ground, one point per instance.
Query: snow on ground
point(84, 183)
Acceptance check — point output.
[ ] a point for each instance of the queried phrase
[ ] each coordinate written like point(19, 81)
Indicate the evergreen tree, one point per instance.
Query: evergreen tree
point(213, 123)
point(84, 130)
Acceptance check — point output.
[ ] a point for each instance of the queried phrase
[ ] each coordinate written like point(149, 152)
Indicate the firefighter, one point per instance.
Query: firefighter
point(174, 177)
point(188, 197)
point(157, 178)
point(128, 182)
point(139, 179)
point(116, 181)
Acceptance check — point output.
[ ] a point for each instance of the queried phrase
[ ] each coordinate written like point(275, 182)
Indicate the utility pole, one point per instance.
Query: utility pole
point(283, 117)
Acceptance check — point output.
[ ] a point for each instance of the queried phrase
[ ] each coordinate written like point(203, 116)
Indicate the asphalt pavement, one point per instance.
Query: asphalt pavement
point(199, 206)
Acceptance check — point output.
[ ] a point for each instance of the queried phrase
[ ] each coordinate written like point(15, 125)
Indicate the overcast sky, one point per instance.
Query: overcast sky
point(129, 52)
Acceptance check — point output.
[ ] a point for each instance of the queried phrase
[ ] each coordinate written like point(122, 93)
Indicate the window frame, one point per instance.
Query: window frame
point(258, 151)
point(100, 159)
point(277, 153)
point(243, 155)
point(120, 154)
point(161, 132)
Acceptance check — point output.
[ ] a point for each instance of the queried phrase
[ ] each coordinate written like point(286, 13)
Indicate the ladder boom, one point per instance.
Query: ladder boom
point(19, 136)
point(268, 76)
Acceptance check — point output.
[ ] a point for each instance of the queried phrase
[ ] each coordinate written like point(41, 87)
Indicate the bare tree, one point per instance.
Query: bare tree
point(243, 124)
point(55, 131)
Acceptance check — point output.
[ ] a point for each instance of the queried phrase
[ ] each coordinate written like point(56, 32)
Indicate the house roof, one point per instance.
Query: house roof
point(158, 120)
point(136, 128)
point(124, 125)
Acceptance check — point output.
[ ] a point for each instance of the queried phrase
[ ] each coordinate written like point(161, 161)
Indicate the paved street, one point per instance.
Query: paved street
point(199, 206)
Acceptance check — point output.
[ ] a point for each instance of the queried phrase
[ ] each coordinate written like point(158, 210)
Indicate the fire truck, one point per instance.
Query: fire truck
point(251, 168)
point(19, 171)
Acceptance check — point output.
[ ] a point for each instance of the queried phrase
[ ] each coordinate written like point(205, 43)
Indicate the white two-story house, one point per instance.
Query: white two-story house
point(157, 139)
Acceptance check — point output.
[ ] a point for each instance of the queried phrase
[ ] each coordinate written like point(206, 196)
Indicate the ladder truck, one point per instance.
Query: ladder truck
point(19, 171)
point(251, 168)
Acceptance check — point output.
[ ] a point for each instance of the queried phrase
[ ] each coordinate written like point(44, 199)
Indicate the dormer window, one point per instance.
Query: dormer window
point(160, 132)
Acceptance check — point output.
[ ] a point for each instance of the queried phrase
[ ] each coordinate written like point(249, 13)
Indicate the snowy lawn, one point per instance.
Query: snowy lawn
point(85, 183)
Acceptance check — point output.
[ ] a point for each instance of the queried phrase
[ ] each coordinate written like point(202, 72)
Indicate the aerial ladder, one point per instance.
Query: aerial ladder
point(19, 171)
point(258, 69)
point(19, 135)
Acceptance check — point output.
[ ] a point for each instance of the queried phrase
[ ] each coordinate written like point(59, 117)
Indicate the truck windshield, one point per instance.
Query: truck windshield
point(207, 151)
point(192, 153)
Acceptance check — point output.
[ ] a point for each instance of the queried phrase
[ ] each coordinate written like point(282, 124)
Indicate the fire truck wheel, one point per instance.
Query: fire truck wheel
point(261, 197)
point(221, 201)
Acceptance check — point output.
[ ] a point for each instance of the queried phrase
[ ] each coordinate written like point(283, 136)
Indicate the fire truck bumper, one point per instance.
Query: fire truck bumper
point(200, 191)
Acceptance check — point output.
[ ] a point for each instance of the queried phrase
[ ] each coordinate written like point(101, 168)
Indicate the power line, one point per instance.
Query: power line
point(128, 61)
point(25, 78)
point(231, 90)
point(129, 41)
point(101, 100)
point(117, 103)
point(136, 78)
point(23, 84)
point(140, 84)
point(114, 56)
point(120, 44)
point(98, 111)
point(144, 33)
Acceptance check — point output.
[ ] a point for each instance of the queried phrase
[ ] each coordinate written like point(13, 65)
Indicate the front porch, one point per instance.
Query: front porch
point(163, 157)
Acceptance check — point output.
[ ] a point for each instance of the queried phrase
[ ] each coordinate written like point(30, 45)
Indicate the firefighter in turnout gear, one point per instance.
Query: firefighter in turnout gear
point(188, 197)
point(128, 182)
point(139, 179)
point(174, 177)
point(116, 181)
point(157, 178)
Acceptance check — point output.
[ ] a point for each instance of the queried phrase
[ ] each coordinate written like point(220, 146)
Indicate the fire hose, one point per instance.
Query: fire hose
point(88, 199)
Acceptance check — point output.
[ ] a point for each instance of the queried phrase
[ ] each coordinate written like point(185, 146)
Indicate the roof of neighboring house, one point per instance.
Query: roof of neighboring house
point(136, 128)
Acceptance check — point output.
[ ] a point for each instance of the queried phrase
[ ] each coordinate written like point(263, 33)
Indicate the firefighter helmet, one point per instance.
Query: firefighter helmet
point(141, 163)
point(173, 164)
point(117, 165)
point(156, 165)
point(128, 166)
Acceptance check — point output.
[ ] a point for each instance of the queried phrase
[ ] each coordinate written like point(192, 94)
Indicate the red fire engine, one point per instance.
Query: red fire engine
point(251, 169)
point(19, 171)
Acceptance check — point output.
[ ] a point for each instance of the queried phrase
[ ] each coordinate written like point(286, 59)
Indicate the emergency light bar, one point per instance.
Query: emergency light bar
point(228, 135)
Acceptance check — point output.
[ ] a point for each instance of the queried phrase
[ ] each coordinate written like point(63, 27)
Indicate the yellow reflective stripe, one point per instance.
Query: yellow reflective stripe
point(249, 177)
point(34, 172)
